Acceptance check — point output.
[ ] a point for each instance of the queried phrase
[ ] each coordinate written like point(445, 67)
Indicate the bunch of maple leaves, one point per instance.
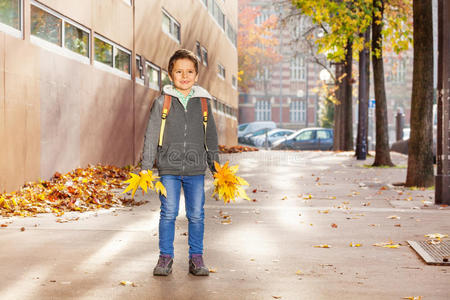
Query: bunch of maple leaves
point(144, 180)
point(227, 185)
point(81, 190)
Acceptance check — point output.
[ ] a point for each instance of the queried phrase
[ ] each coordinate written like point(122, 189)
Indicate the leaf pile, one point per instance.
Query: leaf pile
point(236, 149)
point(227, 185)
point(81, 190)
point(145, 181)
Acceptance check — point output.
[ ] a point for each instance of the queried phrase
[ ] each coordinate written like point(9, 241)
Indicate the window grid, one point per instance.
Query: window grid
point(12, 23)
point(221, 71)
point(139, 68)
point(204, 56)
point(263, 110)
point(69, 36)
point(298, 68)
point(121, 57)
point(153, 74)
point(297, 111)
point(171, 26)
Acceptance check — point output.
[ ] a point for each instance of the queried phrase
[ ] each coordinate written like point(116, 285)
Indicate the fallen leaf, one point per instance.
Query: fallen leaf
point(284, 198)
point(4, 225)
point(322, 246)
point(393, 217)
point(276, 297)
point(413, 298)
point(398, 225)
point(22, 229)
point(334, 225)
point(212, 270)
point(355, 245)
point(227, 221)
point(323, 211)
point(125, 282)
point(298, 272)
point(436, 236)
point(389, 244)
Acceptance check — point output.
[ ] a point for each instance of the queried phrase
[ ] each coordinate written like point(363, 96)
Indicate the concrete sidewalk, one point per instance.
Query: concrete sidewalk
point(262, 249)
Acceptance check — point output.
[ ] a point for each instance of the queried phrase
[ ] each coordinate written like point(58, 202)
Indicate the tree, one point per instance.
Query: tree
point(256, 44)
point(382, 154)
point(420, 157)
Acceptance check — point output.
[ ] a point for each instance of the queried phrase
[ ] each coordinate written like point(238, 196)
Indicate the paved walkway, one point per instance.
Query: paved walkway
point(259, 250)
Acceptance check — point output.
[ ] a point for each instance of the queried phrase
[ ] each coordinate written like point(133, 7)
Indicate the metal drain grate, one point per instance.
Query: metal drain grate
point(438, 254)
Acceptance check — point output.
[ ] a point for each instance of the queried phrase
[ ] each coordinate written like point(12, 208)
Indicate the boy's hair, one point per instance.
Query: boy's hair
point(180, 54)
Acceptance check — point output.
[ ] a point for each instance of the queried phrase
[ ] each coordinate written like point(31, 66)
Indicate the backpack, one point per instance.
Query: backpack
point(165, 113)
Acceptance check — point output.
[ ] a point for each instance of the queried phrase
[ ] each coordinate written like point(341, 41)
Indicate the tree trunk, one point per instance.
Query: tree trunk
point(363, 98)
point(382, 155)
point(348, 100)
point(420, 148)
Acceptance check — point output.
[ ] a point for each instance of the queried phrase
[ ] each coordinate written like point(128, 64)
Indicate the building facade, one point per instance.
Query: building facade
point(286, 92)
point(77, 78)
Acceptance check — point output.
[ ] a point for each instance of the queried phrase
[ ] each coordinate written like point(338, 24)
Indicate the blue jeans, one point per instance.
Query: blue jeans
point(193, 187)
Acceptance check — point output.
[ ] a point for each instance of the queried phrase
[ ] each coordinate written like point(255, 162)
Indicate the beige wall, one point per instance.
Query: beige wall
point(58, 113)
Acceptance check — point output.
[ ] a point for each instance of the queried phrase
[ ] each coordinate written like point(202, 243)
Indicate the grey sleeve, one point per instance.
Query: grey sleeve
point(152, 136)
point(212, 140)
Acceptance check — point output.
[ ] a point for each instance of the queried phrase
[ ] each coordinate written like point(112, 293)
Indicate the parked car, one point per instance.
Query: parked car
point(307, 139)
point(252, 127)
point(272, 136)
point(248, 138)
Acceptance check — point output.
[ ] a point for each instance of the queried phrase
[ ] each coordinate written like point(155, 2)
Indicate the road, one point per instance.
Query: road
point(263, 249)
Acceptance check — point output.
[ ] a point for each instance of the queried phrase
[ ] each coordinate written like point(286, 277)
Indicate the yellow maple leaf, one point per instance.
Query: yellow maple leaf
point(133, 184)
point(159, 188)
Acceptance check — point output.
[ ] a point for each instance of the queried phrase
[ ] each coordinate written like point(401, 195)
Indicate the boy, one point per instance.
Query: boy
point(182, 149)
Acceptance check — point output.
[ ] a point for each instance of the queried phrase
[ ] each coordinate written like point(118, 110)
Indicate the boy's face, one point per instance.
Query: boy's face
point(183, 75)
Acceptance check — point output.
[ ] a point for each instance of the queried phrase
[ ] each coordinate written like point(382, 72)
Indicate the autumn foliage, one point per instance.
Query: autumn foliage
point(256, 44)
point(81, 190)
point(228, 186)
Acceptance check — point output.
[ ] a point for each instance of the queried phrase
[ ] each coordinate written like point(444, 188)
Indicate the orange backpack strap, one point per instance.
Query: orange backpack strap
point(205, 117)
point(164, 114)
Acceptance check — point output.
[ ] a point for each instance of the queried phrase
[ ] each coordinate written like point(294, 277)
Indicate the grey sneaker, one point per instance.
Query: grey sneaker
point(164, 266)
point(197, 267)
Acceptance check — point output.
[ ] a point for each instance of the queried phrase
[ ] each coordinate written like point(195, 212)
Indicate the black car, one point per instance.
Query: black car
point(307, 139)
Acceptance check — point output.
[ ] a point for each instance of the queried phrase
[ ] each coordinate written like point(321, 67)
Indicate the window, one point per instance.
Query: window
point(11, 13)
point(217, 13)
point(215, 103)
point(204, 56)
point(198, 51)
point(152, 73)
point(53, 28)
point(263, 110)
point(262, 17)
point(264, 74)
point(231, 33)
point(306, 135)
point(103, 52)
point(298, 68)
point(399, 71)
point(234, 82)
point(322, 134)
point(111, 54)
point(297, 111)
point(127, 2)
point(221, 71)
point(46, 26)
point(165, 80)
point(139, 69)
point(171, 27)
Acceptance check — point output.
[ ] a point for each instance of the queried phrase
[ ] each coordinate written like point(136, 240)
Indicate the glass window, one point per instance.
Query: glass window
point(76, 39)
point(297, 111)
point(234, 81)
point(10, 13)
point(103, 52)
point(152, 73)
point(231, 33)
point(221, 71)
point(305, 136)
point(122, 61)
point(263, 110)
point(322, 134)
point(139, 68)
point(46, 26)
point(298, 68)
point(171, 27)
point(198, 51)
point(165, 80)
point(204, 56)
